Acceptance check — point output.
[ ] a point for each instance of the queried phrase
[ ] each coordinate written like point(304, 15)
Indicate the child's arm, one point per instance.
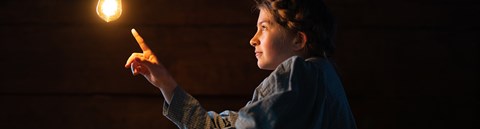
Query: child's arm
point(186, 112)
point(180, 107)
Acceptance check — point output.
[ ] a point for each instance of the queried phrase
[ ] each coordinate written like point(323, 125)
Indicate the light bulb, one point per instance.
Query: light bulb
point(109, 10)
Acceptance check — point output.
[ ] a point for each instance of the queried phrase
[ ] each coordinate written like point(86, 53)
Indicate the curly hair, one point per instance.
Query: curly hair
point(308, 16)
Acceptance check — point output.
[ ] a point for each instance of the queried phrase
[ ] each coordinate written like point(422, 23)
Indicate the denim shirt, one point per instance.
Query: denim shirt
point(298, 94)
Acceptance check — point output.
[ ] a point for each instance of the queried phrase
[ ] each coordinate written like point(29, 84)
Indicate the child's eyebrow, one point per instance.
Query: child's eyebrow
point(264, 21)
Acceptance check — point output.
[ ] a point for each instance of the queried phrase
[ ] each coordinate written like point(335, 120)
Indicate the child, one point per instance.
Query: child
point(294, 39)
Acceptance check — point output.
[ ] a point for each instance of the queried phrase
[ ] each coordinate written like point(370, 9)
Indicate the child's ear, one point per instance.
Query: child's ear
point(300, 41)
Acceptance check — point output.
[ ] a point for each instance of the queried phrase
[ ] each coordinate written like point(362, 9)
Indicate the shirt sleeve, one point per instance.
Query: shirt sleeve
point(187, 113)
point(289, 93)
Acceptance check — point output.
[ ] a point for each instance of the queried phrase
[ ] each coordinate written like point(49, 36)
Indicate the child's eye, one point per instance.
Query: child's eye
point(263, 27)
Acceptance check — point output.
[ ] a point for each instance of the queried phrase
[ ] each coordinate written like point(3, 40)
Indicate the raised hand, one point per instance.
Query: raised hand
point(147, 64)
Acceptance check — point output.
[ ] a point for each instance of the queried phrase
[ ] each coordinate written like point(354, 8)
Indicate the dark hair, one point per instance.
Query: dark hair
point(308, 16)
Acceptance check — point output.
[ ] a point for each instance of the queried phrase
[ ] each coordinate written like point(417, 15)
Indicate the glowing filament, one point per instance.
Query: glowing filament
point(109, 10)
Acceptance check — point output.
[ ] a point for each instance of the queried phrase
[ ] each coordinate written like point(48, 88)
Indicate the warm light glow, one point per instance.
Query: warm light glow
point(109, 10)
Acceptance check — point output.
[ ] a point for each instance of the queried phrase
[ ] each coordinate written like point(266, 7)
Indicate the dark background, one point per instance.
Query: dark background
point(406, 64)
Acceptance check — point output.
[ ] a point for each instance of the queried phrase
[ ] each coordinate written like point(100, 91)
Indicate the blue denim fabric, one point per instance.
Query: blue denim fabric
point(298, 94)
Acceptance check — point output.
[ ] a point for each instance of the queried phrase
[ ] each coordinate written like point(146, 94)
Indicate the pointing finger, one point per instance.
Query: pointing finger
point(140, 41)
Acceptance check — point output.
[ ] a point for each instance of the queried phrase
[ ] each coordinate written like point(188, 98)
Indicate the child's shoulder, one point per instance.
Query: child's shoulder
point(300, 63)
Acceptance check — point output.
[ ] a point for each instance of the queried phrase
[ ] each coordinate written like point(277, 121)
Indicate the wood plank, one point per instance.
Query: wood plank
point(94, 111)
point(409, 62)
point(350, 13)
point(417, 112)
point(134, 12)
point(145, 112)
point(406, 14)
point(90, 59)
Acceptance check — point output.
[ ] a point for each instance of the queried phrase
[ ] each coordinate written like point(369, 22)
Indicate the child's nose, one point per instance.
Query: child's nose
point(254, 41)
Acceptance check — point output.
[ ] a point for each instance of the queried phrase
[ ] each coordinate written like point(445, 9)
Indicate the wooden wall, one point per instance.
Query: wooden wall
point(405, 64)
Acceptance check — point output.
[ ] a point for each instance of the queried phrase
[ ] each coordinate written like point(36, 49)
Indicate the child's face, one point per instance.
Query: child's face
point(272, 42)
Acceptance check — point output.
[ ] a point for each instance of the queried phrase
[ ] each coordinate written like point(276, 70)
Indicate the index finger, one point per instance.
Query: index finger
point(140, 41)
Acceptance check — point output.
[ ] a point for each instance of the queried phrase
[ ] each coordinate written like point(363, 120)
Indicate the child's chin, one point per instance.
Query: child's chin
point(263, 66)
point(260, 65)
